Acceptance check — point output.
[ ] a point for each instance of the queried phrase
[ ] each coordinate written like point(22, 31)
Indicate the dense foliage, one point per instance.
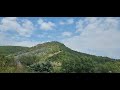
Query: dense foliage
point(43, 67)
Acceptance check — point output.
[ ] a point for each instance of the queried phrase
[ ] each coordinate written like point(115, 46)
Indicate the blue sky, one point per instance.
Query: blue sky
point(93, 35)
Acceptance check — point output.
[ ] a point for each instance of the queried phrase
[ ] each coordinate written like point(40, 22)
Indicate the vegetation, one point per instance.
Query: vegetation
point(43, 67)
point(6, 50)
point(53, 57)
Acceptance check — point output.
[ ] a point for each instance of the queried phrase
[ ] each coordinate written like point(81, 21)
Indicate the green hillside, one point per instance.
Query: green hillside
point(11, 49)
point(54, 57)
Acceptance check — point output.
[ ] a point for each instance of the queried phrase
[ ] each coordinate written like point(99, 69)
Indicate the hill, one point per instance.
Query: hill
point(6, 50)
point(55, 57)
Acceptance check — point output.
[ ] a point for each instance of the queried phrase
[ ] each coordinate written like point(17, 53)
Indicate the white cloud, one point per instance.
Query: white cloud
point(68, 34)
point(11, 23)
point(21, 43)
point(10, 18)
point(46, 25)
point(98, 35)
point(26, 28)
point(67, 22)
point(26, 43)
point(6, 39)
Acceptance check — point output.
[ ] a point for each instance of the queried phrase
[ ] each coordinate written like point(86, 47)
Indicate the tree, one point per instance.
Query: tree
point(42, 67)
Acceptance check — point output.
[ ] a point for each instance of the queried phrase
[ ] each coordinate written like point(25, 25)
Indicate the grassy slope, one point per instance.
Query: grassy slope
point(5, 50)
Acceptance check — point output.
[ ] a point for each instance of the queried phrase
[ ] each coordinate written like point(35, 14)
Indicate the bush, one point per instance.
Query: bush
point(27, 60)
point(44, 67)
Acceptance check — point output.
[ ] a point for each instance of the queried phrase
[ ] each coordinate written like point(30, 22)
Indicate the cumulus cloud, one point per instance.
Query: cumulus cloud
point(22, 43)
point(26, 43)
point(4, 41)
point(10, 18)
point(11, 24)
point(97, 35)
point(68, 34)
point(26, 28)
point(46, 25)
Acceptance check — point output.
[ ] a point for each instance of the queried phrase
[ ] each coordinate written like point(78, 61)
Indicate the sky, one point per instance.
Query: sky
point(93, 35)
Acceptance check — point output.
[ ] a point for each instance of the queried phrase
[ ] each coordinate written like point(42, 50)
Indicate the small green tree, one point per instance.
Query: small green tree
point(28, 60)
point(44, 67)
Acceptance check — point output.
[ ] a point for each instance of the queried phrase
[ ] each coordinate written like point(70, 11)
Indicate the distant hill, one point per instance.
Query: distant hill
point(11, 49)
point(55, 57)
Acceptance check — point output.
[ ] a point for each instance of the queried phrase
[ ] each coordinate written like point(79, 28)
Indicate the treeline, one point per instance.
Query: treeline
point(6, 50)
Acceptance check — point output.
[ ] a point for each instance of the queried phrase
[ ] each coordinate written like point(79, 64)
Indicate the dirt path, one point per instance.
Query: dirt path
point(18, 63)
point(50, 55)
